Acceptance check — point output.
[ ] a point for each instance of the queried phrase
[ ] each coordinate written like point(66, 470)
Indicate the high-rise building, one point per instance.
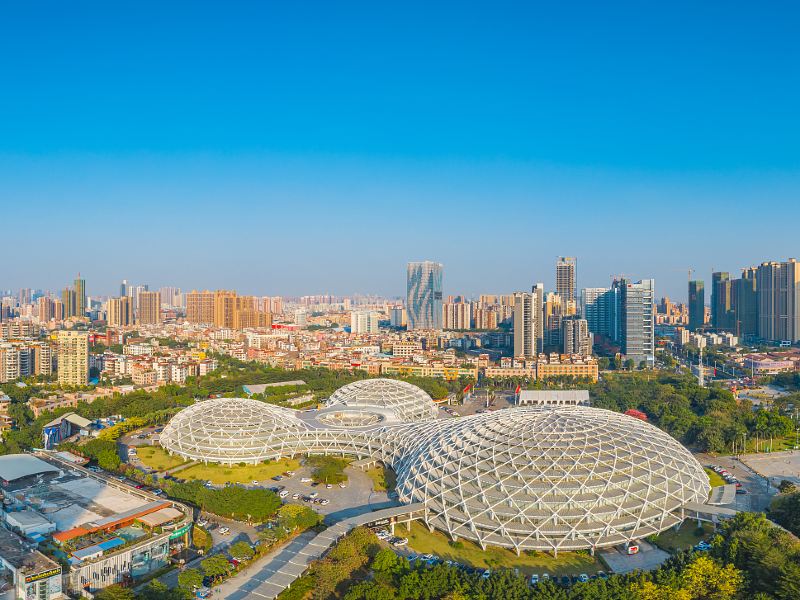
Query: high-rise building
point(225, 309)
point(575, 337)
point(778, 292)
point(637, 322)
point(68, 301)
point(424, 295)
point(722, 316)
point(118, 312)
point(697, 305)
point(171, 296)
point(45, 309)
point(200, 307)
point(565, 278)
point(745, 304)
point(123, 288)
point(457, 315)
point(73, 357)
point(149, 312)
point(528, 321)
point(80, 296)
point(364, 322)
point(398, 317)
point(599, 306)
point(485, 318)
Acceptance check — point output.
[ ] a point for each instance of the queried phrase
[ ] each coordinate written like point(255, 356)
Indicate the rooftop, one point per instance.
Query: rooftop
point(23, 556)
point(17, 466)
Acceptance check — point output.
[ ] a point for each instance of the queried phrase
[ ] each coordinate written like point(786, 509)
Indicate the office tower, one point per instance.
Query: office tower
point(599, 308)
point(424, 295)
point(553, 313)
point(721, 309)
point(118, 312)
point(636, 320)
point(697, 305)
point(123, 288)
point(528, 321)
point(778, 292)
point(565, 278)
point(200, 307)
point(80, 296)
point(457, 315)
point(73, 357)
point(364, 322)
point(575, 337)
point(745, 304)
point(149, 312)
point(398, 317)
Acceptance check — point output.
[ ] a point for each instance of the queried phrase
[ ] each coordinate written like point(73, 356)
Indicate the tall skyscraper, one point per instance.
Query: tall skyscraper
point(637, 322)
point(565, 278)
point(73, 357)
point(697, 305)
point(80, 296)
point(599, 306)
point(778, 291)
point(119, 312)
point(575, 338)
point(123, 288)
point(424, 295)
point(722, 316)
point(68, 301)
point(149, 312)
point(745, 304)
point(528, 322)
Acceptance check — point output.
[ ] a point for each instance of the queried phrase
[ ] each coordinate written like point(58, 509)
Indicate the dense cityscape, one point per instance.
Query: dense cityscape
point(375, 301)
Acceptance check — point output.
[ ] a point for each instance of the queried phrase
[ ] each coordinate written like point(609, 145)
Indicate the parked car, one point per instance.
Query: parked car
point(224, 531)
point(202, 523)
point(306, 480)
point(486, 574)
point(534, 579)
point(583, 578)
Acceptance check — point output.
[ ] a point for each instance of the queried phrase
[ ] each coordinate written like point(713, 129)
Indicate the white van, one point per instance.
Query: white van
point(283, 493)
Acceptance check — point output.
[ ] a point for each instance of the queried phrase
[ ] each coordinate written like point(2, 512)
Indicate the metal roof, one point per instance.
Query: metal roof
point(16, 466)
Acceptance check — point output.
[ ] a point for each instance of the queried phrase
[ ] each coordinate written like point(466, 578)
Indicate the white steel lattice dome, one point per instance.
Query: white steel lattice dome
point(547, 478)
point(231, 430)
point(407, 401)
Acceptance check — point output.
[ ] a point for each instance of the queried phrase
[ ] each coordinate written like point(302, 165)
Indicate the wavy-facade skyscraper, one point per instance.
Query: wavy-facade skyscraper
point(424, 299)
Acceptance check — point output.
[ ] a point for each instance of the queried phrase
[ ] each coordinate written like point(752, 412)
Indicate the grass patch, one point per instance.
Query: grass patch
point(686, 536)
point(157, 458)
point(383, 478)
point(465, 552)
point(715, 478)
point(222, 474)
point(327, 469)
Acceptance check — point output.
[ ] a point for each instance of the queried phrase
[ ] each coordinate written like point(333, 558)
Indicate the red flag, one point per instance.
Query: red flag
point(519, 387)
point(466, 389)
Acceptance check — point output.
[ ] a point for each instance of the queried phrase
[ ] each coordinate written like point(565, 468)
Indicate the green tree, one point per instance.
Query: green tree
point(190, 579)
point(241, 550)
point(115, 592)
point(215, 566)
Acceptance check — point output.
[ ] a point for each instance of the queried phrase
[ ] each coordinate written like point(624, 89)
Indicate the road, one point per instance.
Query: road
point(759, 493)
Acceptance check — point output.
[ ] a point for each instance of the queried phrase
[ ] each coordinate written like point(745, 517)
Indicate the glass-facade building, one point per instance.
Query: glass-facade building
point(424, 295)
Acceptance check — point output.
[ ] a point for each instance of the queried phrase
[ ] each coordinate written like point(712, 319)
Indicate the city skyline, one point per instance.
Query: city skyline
point(173, 160)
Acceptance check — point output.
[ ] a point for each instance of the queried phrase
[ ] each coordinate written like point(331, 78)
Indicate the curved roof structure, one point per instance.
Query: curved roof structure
point(409, 402)
point(549, 478)
point(230, 430)
point(525, 478)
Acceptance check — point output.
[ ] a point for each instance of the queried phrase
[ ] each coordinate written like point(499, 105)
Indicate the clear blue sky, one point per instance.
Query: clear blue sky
point(288, 148)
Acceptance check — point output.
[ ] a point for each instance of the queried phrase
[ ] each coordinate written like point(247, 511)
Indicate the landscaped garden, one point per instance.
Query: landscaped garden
point(222, 474)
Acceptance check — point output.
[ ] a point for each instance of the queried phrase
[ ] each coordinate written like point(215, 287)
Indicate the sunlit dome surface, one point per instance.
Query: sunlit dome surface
point(230, 430)
point(408, 402)
point(551, 478)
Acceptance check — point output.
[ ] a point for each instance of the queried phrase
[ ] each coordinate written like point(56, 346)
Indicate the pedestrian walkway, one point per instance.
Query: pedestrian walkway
point(274, 573)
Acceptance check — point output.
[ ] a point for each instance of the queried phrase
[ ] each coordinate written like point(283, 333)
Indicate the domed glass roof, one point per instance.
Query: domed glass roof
point(409, 402)
point(551, 478)
point(230, 430)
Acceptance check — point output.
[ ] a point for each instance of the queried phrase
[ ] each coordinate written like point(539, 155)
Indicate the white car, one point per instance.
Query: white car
point(224, 531)
point(343, 485)
point(306, 480)
point(202, 523)
point(400, 542)
point(328, 486)
point(283, 493)
point(254, 482)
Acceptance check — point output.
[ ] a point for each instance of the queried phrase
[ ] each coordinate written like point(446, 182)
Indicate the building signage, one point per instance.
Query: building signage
point(179, 532)
point(43, 575)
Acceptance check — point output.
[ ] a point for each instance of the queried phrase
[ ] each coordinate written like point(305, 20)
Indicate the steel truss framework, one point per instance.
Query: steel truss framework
point(526, 478)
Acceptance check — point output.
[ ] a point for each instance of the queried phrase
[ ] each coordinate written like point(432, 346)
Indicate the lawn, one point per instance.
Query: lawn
point(222, 474)
point(157, 458)
point(685, 537)
point(715, 478)
point(383, 478)
point(567, 563)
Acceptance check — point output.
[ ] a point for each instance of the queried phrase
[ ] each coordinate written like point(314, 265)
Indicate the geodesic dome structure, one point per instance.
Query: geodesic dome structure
point(407, 401)
point(546, 478)
point(231, 430)
point(526, 478)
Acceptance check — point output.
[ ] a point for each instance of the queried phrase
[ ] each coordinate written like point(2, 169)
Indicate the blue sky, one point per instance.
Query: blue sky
point(285, 149)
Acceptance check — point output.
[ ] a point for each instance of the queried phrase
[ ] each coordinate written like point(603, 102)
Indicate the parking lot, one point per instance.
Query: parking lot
point(758, 496)
point(648, 558)
point(775, 466)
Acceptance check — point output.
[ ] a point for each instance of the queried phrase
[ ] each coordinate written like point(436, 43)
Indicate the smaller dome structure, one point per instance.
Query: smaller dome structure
point(231, 430)
point(407, 401)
